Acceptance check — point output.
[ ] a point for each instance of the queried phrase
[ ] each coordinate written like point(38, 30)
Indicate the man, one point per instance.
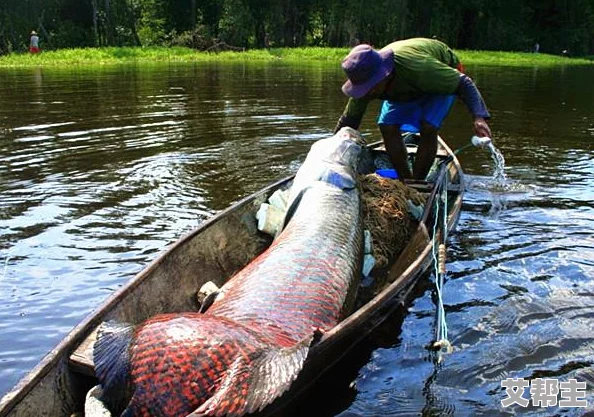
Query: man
point(419, 80)
point(34, 43)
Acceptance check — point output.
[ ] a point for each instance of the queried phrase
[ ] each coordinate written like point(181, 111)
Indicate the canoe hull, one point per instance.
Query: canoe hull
point(218, 249)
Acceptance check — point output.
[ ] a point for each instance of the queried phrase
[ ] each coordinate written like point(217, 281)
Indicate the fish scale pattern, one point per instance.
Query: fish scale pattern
point(250, 345)
point(176, 351)
point(302, 282)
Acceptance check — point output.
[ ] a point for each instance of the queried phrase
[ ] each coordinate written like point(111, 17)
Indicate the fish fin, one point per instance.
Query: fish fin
point(292, 208)
point(251, 385)
point(112, 362)
point(208, 300)
point(338, 176)
point(206, 295)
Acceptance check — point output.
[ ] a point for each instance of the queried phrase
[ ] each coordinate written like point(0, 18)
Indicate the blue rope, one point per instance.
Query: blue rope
point(441, 334)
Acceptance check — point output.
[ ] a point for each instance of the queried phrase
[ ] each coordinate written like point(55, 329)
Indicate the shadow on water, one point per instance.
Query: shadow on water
point(338, 388)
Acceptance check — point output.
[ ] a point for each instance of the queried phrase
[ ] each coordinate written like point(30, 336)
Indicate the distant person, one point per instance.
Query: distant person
point(536, 48)
point(418, 79)
point(34, 43)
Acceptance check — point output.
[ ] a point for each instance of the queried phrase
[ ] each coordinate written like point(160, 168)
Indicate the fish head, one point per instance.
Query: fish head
point(343, 149)
point(333, 160)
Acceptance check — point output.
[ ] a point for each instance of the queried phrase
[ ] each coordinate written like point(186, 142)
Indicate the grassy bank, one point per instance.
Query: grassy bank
point(107, 56)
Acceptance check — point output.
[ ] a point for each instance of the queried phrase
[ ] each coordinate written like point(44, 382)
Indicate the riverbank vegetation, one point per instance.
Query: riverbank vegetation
point(552, 27)
point(126, 55)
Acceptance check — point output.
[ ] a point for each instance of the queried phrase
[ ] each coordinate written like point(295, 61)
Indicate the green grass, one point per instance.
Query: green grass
point(110, 56)
point(519, 59)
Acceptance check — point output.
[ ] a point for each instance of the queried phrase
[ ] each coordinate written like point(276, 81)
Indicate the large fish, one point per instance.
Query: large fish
point(251, 343)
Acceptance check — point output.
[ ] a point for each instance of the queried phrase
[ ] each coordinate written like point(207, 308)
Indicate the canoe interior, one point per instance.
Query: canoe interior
point(214, 252)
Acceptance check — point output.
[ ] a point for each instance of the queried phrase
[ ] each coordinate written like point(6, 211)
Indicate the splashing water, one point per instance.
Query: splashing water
point(499, 172)
point(499, 185)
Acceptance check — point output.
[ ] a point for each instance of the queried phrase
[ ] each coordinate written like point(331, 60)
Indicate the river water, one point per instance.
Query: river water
point(101, 169)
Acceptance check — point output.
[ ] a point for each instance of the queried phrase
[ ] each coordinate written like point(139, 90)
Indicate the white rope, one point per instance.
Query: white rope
point(439, 258)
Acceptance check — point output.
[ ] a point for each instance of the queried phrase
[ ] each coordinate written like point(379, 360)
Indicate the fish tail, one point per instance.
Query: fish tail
point(111, 355)
point(249, 386)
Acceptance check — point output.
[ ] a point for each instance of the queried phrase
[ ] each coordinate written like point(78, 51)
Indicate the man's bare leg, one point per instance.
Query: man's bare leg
point(426, 151)
point(396, 149)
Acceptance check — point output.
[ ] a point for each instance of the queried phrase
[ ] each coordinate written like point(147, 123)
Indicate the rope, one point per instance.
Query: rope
point(439, 261)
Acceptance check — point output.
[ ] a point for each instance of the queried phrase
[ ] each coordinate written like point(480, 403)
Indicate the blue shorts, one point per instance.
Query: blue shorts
point(431, 108)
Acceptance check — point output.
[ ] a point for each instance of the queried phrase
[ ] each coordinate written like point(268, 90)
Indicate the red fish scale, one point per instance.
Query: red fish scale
point(175, 365)
point(300, 283)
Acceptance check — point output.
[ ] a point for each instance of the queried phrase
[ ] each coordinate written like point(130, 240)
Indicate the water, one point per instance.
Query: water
point(100, 170)
point(519, 304)
point(498, 185)
point(499, 176)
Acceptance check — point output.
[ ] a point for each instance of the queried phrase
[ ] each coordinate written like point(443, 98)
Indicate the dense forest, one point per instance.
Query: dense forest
point(505, 25)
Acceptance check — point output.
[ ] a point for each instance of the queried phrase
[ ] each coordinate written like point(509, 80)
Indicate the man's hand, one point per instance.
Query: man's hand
point(481, 128)
point(346, 121)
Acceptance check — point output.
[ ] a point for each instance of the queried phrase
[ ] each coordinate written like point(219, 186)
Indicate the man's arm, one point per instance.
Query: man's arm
point(352, 115)
point(345, 120)
point(471, 96)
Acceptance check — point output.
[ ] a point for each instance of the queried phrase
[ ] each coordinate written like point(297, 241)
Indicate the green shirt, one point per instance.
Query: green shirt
point(421, 66)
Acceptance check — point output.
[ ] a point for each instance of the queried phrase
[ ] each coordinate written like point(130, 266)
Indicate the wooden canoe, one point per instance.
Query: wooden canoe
point(218, 248)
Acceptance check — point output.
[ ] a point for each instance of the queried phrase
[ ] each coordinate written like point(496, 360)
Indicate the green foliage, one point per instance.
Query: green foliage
point(195, 39)
point(69, 35)
point(237, 24)
point(151, 31)
point(151, 22)
point(505, 25)
point(92, 57)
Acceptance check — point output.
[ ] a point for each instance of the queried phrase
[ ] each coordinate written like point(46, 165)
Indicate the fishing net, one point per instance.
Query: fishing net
point(386, 215)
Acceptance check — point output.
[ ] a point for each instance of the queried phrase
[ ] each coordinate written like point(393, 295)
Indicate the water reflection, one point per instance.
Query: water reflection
point(100, 169)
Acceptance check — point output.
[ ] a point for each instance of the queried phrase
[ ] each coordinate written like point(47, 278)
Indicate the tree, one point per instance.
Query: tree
point(467, 24)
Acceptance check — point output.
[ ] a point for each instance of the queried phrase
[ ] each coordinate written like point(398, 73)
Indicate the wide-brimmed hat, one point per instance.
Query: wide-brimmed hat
point(365, 67)
point(33, 32)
